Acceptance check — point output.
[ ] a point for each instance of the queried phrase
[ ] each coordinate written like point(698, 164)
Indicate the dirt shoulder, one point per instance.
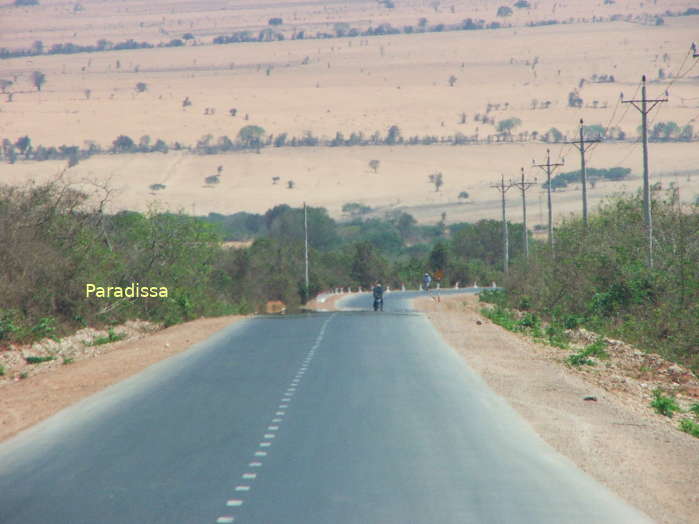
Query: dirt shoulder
point(53, 386)
point(617, 439)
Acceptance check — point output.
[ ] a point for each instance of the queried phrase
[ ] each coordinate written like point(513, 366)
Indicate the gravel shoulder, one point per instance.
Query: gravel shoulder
point(52, 386)
point(616, 439)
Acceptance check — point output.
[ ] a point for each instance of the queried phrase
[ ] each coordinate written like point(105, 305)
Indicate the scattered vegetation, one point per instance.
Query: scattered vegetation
point(663, 404)
point(689, 426)
point(111, 336)
point(39, 360)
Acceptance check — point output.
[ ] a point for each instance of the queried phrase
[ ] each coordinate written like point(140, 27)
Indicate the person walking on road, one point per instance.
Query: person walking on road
point(378, 297)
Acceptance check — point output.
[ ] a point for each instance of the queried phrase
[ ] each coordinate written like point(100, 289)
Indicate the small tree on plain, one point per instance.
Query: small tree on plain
point(275, 180)
point(38, 79)
point(374, 165)
point(437, 179)
point(504, 11)
point(290, 184)
point(141, 87)
point(452, 80)
point(463, 195)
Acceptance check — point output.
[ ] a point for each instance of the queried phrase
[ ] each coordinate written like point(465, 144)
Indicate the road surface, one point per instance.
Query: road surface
point(323, 418)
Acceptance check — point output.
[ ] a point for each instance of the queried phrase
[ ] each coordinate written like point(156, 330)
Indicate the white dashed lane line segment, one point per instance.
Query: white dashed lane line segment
point(285, 400)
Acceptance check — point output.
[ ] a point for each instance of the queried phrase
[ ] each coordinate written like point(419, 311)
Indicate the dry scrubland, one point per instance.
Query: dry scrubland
point(347, 84)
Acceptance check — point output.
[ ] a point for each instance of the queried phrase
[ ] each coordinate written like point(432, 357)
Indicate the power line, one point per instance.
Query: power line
point(524, 186)
point(506, 247)
point(548, 165)
point(582, 146)
point(644, 110)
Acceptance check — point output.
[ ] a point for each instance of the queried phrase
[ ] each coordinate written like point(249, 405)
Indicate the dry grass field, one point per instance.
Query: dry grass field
point(356, 84)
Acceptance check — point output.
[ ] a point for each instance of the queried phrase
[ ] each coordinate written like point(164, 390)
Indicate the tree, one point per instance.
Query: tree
point(275, 21)
point(437, 180)
point(439, 256)
point(504, 11)
point(374, 165)
point(393, 136)
point(188, 36)
point(38, 79)
point(24, 145)
point(522, 4)
point(4, 84)
point(141, 87)
point(26, 3)
point(506, 126)
point(452, 80)
point(123, 144)
point(251, 136)
point(290, 184)
point(464, 195)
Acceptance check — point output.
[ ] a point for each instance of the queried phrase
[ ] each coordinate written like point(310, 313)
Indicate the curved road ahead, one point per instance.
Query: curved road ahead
point(328, 418)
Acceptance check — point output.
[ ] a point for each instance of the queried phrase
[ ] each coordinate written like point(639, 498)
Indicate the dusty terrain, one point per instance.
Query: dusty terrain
point(345, 85)
point(52, 386)
point(618, 439)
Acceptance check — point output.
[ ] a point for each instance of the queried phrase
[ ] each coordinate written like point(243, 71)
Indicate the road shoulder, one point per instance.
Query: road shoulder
point(652, 466)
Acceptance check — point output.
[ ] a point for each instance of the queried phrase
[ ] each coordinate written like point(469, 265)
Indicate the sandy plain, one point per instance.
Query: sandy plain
point(347, 85)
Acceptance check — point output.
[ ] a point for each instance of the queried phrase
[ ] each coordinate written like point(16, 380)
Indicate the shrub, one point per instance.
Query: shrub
point(38, 360)
point(695, 409)
point(689, 426)
point(141, 87)
point(2, 371)
point(664, 405)
point(504, 10)
point(112, 336)
point(45, 328)
point(68, 360)
point(580, 359)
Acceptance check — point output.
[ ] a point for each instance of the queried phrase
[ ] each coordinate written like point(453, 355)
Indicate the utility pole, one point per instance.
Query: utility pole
point(524, 186)
point(548, 165)
point(505, 241)
point(305, 232)
point(644, 109)
point(582, 145)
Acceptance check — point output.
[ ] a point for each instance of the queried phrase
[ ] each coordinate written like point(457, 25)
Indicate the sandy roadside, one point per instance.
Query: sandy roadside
point(628, 448)
point(27, 402)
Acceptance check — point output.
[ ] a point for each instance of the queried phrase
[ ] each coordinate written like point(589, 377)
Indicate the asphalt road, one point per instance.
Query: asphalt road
point(326, 418)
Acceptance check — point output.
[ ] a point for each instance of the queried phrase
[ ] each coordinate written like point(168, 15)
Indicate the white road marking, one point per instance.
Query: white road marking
point(272, 428)
point(224, 520)
point(283, 406)
point(276, 420)
point(249, 476)
point(234, 502)
point(255, 464)
point(242, 488)
point(269, 435)
point(280, 413)
point(265, 444)
point(260, 453)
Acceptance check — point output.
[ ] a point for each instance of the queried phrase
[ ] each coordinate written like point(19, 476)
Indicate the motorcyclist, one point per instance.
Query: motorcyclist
point(426, 281)
point(378, 296)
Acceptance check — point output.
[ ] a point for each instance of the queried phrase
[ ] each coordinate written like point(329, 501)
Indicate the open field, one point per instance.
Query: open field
point(346, 85)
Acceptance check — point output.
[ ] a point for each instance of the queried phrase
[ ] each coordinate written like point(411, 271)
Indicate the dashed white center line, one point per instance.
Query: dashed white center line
point(286, 398)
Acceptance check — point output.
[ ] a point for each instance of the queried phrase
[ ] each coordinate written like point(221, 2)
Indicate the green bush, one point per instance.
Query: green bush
point(695, 409)
point(68, 360)
point(689, 426)
point(45, 328)
point(38, 360)
point(580, 359)
point(112, 336)
point(2, 371)
point(664, 405)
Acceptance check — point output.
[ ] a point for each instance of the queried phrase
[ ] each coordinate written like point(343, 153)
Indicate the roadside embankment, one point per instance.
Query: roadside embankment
point(54, 385)
point(616, 438)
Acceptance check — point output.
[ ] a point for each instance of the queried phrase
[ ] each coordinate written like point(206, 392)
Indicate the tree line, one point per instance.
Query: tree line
point(252, 137)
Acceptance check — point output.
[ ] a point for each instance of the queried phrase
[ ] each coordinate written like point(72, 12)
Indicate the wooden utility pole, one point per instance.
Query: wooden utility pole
point(647, 200)
point(582, 145)
point(524, 186)
point(505, 240)
point(548, 165)
point(305, 233)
